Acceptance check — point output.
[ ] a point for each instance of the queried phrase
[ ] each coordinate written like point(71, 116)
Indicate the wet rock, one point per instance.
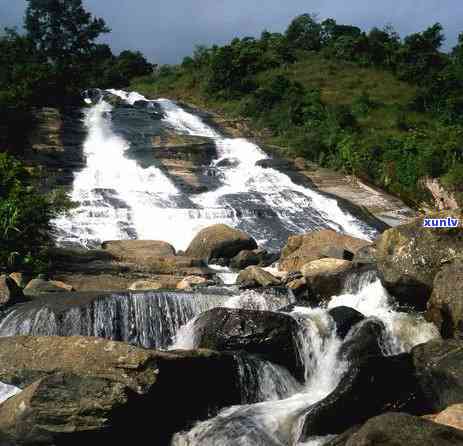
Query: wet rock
point(42, 286)
point(271, 335)
point(345, 318)
point(315, 245)
point(255, 277)
point(138, 251)
point(257, 257)
point(325, 277)
point(445, 308)
point(372, 386)
point(439, 373)
point(393, 429)
point(363, 340)
point(410, 256)
point(219, 241)
point(10, 292)
point(188, 283)
point(365, 255)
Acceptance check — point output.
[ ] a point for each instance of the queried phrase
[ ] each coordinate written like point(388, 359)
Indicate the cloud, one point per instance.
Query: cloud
point(168, 30)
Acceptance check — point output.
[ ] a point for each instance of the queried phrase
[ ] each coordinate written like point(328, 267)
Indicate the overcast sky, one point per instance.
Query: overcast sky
point(167, 30)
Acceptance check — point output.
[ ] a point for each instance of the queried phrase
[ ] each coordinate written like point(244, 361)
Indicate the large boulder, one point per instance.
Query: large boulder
point(79, 388)
point(439, 373)
point(372, 386)
point(345, 318)
point(189, 282)
point(269, 334)
point(43, 286)
point(409, 257)
point(394, 429)
point(138, 251)
point(255, 277)
point(219, 242)
point(302, 249)
point(10, 292)
point(325, 277)
point(445, 308)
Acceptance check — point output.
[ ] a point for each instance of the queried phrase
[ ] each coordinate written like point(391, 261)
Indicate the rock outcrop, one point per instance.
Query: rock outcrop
point(219, 242)
point(410, 256)
point(302, 249)
point(256, 257)
point(10, 292)
point(452, 416)
point(445, 308)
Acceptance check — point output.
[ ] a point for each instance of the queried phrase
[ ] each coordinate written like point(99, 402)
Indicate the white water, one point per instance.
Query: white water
point(279, 423)
point(7, 391)
point(119, 199)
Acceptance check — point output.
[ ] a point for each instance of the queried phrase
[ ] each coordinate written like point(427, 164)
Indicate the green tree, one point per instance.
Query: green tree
point(304, 32)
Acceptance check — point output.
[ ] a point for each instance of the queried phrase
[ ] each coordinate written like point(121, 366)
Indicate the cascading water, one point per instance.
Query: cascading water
point(279, 423)
point(119, 199)
point(7, 391)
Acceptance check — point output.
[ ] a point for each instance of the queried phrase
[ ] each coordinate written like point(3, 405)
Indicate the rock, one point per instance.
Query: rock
point(325, 277)
point(257, 257)
point(255, 277)
point(60, 405)
point(443, 199)
point(219, 241)
point(21, 279)
point(190, 282)
point(372, 386)
point(452, 416)
point(95, 387)
point(315, 245)
point(394, 429)
point(345, 318)
point(439, 373)
point(10, 292)
point(269, 334)
point(364, 340)
point(144, 285)
point(409, 257)
point(445, 308)
point(365, 255)
point(42, 286)
point(138, 251)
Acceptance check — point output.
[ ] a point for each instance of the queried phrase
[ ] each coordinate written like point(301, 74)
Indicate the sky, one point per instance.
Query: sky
point(168, 30)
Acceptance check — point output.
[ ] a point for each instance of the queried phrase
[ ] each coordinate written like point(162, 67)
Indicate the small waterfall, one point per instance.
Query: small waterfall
point(7, 391)
point(147, 319)
point(279, 423)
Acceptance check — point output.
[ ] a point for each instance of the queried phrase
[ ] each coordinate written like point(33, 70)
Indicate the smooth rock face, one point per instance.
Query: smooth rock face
point(255, 277)
point(10, 292)
point(138, 251)
point(219, 242)
point(445, 308)
point(272, 335)
point(410, 256)
point(302, 249)
point(394, 429)
point(439, 373)
point(41, 286)
point(325, 277)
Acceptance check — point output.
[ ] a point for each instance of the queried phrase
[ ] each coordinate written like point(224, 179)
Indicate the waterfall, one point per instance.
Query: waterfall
point(279, 423)
point(118, 198)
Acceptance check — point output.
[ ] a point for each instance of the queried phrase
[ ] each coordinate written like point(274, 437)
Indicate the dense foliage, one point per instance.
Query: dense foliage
point(384, 108)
